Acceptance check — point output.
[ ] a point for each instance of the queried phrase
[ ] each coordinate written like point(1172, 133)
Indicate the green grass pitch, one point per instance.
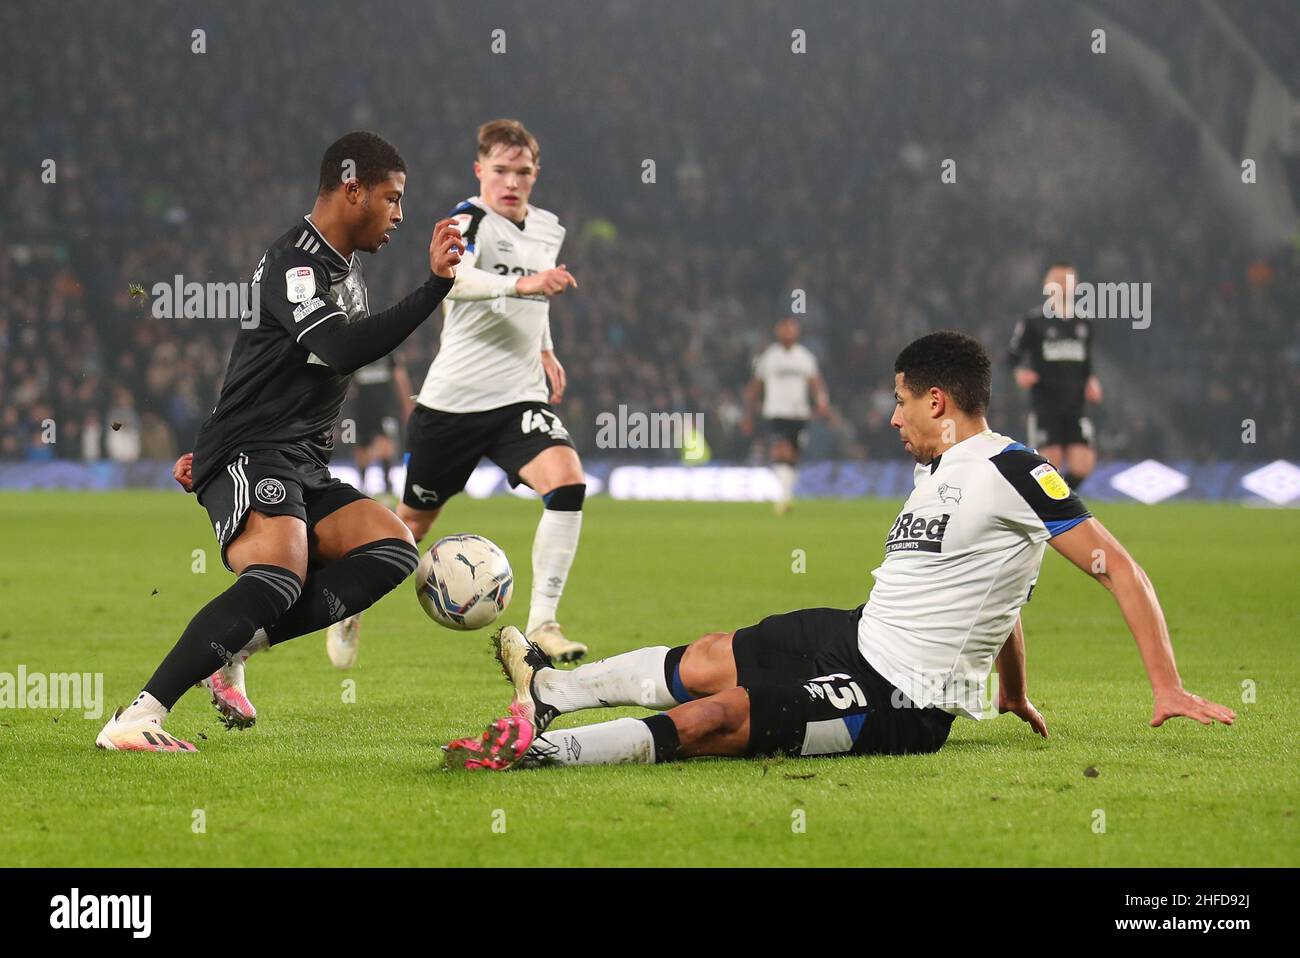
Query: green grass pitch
point(104, 583)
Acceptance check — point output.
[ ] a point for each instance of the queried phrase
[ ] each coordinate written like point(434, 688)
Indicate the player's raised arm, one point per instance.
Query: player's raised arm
point(1013, 693)
point(1091, 547)
point(473, 284)
point(346, 347)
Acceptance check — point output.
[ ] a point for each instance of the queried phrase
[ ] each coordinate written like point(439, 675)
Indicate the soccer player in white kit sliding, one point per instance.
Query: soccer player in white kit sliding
point(785, 373)
point(888, 677)
point(486, 393)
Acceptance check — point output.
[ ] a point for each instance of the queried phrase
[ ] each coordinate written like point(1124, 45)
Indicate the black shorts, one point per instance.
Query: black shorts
point(446, 446)
point(274, 484)
point(812, 693)
point(791, 430)
point(1054, 426)
point(376, 416)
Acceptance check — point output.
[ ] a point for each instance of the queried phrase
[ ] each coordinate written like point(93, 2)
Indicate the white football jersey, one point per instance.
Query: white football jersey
point(490, 354)
point(785, 374)
point(960, 560)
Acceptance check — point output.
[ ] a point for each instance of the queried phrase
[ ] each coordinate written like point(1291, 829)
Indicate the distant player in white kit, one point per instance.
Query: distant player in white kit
point(785, 374)
point(486, 393)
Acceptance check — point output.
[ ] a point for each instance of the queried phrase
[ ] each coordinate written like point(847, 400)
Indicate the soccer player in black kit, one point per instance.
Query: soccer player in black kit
point(381, 403)
point(1051, 352)
point(306, 549)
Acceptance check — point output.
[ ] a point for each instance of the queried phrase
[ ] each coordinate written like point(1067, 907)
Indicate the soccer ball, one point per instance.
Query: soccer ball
point(464, 582)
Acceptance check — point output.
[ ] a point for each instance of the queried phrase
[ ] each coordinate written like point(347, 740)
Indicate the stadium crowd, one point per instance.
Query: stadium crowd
point(773, 171)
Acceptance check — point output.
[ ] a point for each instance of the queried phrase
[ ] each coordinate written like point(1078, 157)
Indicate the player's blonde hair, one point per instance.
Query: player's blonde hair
point(507, 133)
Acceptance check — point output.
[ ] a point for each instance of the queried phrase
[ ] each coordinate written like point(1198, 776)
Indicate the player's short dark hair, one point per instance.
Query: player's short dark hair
point(368, 157)
point(954, 362)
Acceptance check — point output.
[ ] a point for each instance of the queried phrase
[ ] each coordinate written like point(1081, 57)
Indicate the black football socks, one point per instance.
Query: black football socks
point(259, 596)
point(343, 588)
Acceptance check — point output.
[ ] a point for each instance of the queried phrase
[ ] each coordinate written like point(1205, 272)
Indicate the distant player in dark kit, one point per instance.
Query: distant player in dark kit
point(1051, 352)
point(381, 403)
point(306, 549)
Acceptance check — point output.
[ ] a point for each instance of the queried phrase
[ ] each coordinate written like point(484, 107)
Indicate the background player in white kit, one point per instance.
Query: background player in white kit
point(785, 373)
point(486, 393)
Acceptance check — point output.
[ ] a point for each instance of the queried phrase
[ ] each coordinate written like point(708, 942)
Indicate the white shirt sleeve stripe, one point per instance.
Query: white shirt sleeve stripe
point(337, 312)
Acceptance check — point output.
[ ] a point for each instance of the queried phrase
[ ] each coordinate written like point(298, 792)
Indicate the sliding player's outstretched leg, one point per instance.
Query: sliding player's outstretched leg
point(657, 677)
point(715, 725)
point(795, 683)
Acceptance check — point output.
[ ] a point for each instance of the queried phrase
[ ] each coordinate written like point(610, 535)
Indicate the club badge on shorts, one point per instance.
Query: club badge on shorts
point(270, 492)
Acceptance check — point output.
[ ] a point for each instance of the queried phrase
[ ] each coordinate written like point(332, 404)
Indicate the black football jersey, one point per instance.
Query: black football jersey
point(277, 394)
point(1060, 351)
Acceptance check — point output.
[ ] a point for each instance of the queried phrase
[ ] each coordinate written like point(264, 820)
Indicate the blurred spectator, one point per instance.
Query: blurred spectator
point(776, 172)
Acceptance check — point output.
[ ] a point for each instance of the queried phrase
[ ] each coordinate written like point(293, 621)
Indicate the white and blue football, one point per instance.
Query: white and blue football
point(464, 582)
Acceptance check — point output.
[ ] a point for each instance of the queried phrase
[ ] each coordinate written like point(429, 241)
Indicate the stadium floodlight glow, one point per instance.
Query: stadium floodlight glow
point(1278, 482)
point(1150, 482)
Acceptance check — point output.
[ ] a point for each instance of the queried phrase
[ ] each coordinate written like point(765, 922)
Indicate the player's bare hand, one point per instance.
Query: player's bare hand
point(1026, 378)
point(747, 426)
point(548, 283)
point(1027, 713)
point(183, 471)
point(446, 249)
point(555, 373)
point(1092, 390)
point(1181, 702)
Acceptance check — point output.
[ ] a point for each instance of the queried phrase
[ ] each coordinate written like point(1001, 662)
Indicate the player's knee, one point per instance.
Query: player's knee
point(567, 497)
point(707, 665)
point(404, 531)
point(394, 527)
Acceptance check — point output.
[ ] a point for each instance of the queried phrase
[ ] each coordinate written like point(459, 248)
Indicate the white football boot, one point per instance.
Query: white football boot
point(520, 659)
point(139, 735)
point(341, 641)
point(551, 640)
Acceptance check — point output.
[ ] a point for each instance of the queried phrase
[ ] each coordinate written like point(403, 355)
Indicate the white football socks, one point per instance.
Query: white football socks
point(633, 678)
point(785, 475)
point(145, 706)
point(554, 546)
point(625, 741)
